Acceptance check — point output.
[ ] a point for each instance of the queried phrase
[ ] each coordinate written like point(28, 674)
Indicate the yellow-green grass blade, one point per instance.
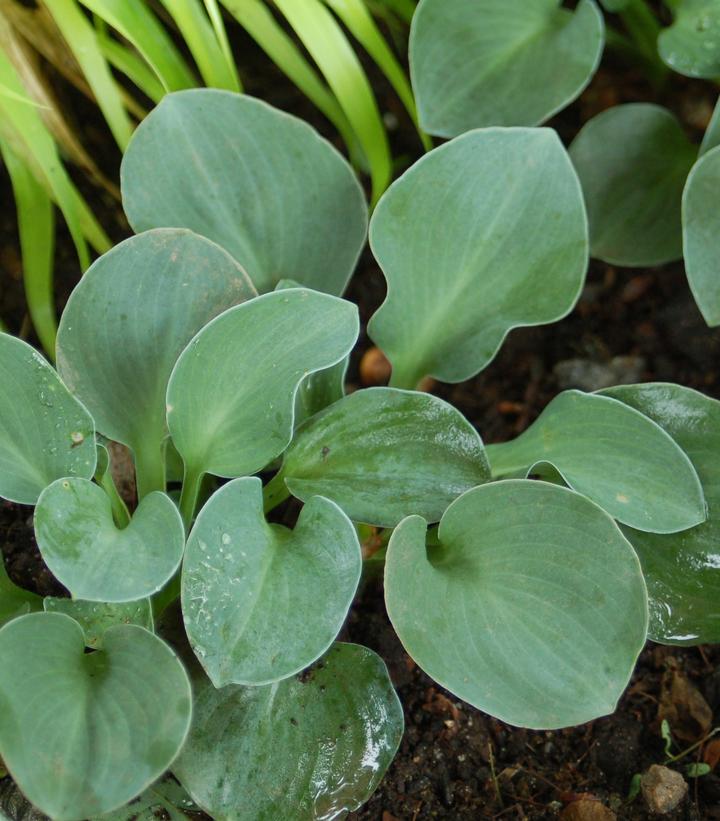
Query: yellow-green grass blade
point(131, 64)
point(322, 36)
point(215, 15)
point(36, 227)
point(80, 37)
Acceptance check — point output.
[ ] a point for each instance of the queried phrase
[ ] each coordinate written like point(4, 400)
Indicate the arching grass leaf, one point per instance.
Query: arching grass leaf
point(312, 746)
point(231, 396)
point(83, 733)
point(701, 234)
point(262, 184)
point(478, 63)
point(96, 618)
point(92, 557)
point(691, 45)
point(613, 454)
point(382, 454)
point(682, 570)
point(482, 235)
point(633, 161)
point(128, 321)
point(44, 432)
point(532, 607)
point(261, 602)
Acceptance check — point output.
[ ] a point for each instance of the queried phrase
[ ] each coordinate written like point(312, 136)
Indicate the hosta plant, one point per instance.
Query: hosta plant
point(200, 637)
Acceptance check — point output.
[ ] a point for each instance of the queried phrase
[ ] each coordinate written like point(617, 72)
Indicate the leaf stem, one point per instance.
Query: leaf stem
point(644, 28)
point(149, 469)
point(275, 492)
point(405, 378)
point(693, 746)
point(189, 495)
point(121, 515)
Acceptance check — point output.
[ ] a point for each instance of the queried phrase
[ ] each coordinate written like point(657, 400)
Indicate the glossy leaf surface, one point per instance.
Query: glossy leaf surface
point(262, 184)
point(95, 560)
point(262, 602)
point(314, 746)
point(83, 733)
point(382, 454)
point(232, 393)
point(484, 234)
point(691, 45)
point(532, 607)
point(97, 617)
point(44, 432)
point(614, 455)
point(129, 319)
point(480, 63)
point(701, 234)
point(682, 570)
point(633, 161)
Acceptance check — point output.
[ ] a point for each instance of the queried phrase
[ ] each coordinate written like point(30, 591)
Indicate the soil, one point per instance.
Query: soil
point(456, 762)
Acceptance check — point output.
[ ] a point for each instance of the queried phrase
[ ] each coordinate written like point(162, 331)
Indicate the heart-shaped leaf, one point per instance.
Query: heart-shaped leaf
point(262, 184)
point(691, 45)
point(477, 63)
point(484, 234)
point(682, 570)
point(261, 602)
point(701, 234)
point(633, 161)
point(312, 746)
point(383, 454)
point(232, 393)
point(96, 560)
point(96, 618)
point(14, 601)
point(532, 606)
point(128, 320)
point(44, 432)
point(83, 733)
point(614, 455)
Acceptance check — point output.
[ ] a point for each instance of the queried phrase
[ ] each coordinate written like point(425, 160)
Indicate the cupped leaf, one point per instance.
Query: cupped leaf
point(383, 454)
point(262, 602)
point(478, 63)
point(96, 618)
point(14, 600)
point(532, 606)
point(232, 393)
point(701, 234)
point(45, 433)
point(484, 234)
point(312, 746)
point(682, 570)
point(96, 560)
point(262, 184)
point(691, 45)
point(633, 161)
point(83, 733)
point(613, 454)
point(129, 319)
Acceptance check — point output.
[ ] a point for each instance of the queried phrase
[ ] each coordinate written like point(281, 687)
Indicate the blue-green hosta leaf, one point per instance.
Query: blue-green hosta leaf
point(701, 234)
point(532, 606)
point(129, 319)
point(682, 570)
point(313, 746)
point(691, 45)
point(232, 393)
point(482, 235)
point(96, 560)
point(261, 602)
point(382, 454)
point(97, 617)
point(633, 161)
point(83, 733)
point(477, 63)
point(14, 601)
point(44, 432)
point(614, 455)
point(262, 184)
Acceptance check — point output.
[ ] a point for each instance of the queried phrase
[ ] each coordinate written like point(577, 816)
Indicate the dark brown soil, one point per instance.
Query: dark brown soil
point(455, 762)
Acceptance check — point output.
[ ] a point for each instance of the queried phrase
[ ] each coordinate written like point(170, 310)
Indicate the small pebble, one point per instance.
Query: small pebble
point(587, 810)
point(663, 789)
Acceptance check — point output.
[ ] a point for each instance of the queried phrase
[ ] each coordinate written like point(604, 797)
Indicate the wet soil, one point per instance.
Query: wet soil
point(454, 761)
